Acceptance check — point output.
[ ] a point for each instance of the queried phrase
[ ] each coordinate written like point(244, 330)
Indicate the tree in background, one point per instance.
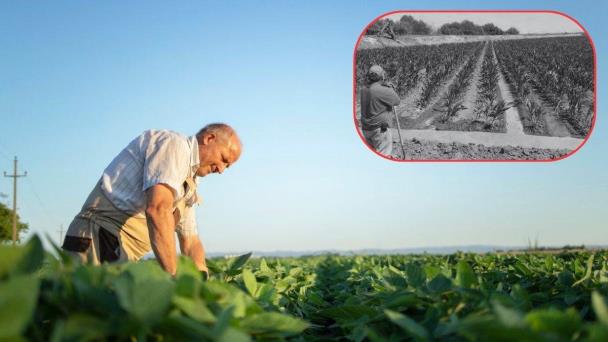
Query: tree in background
point(469, 29)
point(6, 224)
point(408, 25)
point(512, 30)
point(450, 29)
point(492, 29)
point(466, 27)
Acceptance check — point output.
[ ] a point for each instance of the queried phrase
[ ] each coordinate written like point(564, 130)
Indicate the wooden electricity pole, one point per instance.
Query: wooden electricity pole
point(14, 176)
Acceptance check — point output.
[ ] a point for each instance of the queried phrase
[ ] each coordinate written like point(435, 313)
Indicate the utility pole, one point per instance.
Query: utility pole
point(60, 234)
point(14, 176)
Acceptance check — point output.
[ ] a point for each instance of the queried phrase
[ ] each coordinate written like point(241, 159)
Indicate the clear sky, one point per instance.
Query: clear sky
point(80, 79)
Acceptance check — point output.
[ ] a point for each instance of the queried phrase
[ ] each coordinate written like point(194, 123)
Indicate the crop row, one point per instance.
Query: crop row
point(556, 71)
point(452, 101)
point(426, 66)
point(460, 297)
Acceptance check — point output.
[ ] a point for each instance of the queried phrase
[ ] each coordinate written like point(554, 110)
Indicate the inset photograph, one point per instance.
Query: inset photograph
point(474, 86)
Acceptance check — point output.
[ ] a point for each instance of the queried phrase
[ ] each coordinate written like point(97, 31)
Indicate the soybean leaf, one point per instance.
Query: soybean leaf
point(65, 258)
point(187, 286)
point(18, 297)
point(588, 271)
point(226, 295)
point(213, 267)
point(195, 308)
point(347, 313)
point(415, 275)
point(465, 277)
point(147, 299)
point(223, 321)
point(554, 322)
point(408, 325)
point(232, 335)
point(264, 267)
point(400, 299)
point(235, 264)
point(251, 283)
point(186, 265)
point(509, 317)
point(265, 293)
point(82, 327)
point(599, 307)
point(24, 259)
point(181, 328)
point(269, 322)
point(439, 284)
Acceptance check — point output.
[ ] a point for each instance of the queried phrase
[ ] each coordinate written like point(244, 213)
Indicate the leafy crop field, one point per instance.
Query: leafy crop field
point(460, 297)
point(551, 76)
point(454, 86)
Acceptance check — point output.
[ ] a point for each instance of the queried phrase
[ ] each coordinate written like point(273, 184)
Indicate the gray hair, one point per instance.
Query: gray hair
point(221, 130)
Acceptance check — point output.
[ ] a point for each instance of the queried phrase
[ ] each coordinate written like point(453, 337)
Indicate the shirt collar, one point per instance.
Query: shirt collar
point(194, 158)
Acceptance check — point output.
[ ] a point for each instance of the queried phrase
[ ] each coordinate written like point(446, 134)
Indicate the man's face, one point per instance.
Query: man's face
point(216, 155)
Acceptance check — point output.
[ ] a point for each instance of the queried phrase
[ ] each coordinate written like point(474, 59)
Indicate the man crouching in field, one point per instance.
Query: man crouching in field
point(377, 102)
point(147, 194)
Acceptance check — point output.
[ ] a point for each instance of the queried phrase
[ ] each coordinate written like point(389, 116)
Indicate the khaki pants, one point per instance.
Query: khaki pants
point(103, 233)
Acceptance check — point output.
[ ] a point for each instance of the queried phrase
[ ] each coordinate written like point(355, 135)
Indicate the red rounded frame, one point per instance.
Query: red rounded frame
point(474, 160)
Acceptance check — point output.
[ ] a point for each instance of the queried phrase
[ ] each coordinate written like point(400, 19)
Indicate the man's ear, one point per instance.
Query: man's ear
point(208, 138)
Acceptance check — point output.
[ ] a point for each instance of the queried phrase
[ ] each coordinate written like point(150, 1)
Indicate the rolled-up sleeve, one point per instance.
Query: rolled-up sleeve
point(187, 223)
point(166, 162)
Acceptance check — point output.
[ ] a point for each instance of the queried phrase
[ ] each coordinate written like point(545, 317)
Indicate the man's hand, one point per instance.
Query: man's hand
point(383, 127)
point(161, 226)
point(191, 246)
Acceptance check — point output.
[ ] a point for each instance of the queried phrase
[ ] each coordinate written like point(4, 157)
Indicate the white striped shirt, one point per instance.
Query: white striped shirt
point(154, 157)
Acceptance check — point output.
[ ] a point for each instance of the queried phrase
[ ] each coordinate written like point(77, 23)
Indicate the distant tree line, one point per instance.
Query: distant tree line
point(6, 224)
point(467, 27)
point(408, 25)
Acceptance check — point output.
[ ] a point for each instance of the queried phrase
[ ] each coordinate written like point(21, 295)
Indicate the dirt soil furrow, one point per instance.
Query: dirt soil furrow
point(471, 94)
point(491, 139)
point(427, 115)
point(512, 118)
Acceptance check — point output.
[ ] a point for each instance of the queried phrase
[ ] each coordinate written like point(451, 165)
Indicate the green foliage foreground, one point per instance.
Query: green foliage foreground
point(461, 297)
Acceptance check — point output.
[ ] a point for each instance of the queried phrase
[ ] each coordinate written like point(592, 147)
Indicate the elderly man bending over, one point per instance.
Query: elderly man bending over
point(147, 194)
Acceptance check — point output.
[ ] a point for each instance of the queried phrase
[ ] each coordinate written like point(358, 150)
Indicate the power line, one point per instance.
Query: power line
point(43, 207)
point(14, 176)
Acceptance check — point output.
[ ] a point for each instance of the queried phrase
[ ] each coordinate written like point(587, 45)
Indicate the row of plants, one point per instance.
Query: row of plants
point(425, 66)
point(439, 69)
point(551, 75)
point(452, 101)
point(490, 107)
point(49, 298)
point(459, 297)
point(466, 297)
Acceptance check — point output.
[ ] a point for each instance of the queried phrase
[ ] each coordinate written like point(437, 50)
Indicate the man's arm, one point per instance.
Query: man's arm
point(389, 97)
point(161, 225)
point(191, 246)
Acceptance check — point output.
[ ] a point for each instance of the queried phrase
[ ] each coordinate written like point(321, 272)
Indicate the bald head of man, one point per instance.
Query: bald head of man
point(219, 147)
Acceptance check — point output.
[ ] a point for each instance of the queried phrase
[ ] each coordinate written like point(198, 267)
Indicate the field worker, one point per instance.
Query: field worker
point(147, 194)
point(377, 101)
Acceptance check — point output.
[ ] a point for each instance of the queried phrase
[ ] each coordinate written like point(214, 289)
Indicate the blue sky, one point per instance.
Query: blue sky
point(80, 79)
